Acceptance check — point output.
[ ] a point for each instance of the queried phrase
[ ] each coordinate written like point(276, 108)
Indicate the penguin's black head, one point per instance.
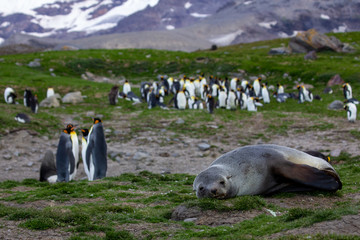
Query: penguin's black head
point(85, 132)
point(97, 120)
point(69, 128)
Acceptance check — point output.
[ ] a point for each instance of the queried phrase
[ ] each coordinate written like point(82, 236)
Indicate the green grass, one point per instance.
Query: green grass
point(103, 209)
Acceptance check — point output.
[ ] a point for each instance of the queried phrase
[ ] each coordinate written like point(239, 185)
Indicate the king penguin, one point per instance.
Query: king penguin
point(210, 103)
point(9, 95)
point(257, 87)
point(96, 151)
point(27, 96)
point(180, 100)
point(351, 111)
point(67, 155)
point(221, 103)
point(126, 87)
point(50, 92)
point(347, 90)
point(265, 93)
point(84, 140)
point(231, 101)
point(34, 104)
point(22, 118)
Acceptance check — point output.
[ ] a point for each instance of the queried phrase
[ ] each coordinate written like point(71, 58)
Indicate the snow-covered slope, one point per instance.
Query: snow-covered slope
point(205, 22)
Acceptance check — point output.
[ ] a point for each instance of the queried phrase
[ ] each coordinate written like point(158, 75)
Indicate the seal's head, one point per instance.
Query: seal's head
point(214, 182)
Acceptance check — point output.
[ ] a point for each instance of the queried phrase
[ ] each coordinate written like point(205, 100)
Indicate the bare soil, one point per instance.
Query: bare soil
point(161, 151)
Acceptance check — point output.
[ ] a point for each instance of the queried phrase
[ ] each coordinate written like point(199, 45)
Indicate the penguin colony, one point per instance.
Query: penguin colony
point(213, 93)
point(93, 152)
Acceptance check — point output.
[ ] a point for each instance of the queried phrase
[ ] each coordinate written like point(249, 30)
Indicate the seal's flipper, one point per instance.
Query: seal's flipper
point(308, 176)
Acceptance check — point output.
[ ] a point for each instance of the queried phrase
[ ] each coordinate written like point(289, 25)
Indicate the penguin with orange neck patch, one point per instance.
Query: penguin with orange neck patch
point(67, 155)
point(96, 151)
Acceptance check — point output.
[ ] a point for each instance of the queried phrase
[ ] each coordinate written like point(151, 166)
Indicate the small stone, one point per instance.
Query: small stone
point(335, 152)
point(140, 156)
point(7, 156)
point(175, 155)
point(118, 158)
point(190, 219)
point(336, 105)
point(180, 121)
point(203, 146)
point(108, 130)
point(8, 169)
point(90, 114)
point(29, 164)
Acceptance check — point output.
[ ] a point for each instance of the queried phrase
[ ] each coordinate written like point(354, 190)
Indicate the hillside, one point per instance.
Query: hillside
point(153, 154)
point(185, 25)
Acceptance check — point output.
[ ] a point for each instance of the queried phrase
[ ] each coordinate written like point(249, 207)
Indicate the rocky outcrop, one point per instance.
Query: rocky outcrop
point(335, 80)
point(311, 40)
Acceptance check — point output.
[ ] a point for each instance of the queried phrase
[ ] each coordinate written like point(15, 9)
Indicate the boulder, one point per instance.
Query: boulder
point(72, 97)
point(335, 80)
point(311, 40)
point(336, 105)
point(51, 101)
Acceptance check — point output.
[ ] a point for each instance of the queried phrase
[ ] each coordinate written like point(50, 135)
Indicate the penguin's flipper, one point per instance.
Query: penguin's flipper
point(71, 158)
point(89, 150)
point(306, 176)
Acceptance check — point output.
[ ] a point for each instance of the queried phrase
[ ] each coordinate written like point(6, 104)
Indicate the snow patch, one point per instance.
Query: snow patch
point(340, 29)
point(187, 5)
point(267, 25)
point(226, 39)
point(247, 2)
point(5, 24)
point(166, 19)
point(170, 27)
point(78, 19)
point(2, 40)
point(285, 35)
point(323, 16)
point(199, 15)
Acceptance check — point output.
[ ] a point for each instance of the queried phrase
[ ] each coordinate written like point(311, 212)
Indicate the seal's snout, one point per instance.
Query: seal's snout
point(214, 191)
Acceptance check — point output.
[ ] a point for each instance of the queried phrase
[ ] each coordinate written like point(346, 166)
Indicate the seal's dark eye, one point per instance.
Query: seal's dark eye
point(222, 182)
point(201, 188)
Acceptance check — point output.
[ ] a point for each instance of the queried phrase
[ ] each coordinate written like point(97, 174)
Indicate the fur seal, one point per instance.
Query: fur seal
point(263, 170)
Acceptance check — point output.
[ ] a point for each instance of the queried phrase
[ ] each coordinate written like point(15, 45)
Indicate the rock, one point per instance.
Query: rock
point(203, 146)
point(336, 105)
point(118, 158)
point(140, 156)
point(164, 154)
point(29, 164)
point(7, 156)
point(335, 152)
point(182, 212)
point(90, 114)
point(175, 155)
point(279, 50)
point(35, 63)
point(72, 97)
point(310, 55)
point(335, 80)
point(180, 121)
point(190, 220)
point(51, 101)
point(311, 40)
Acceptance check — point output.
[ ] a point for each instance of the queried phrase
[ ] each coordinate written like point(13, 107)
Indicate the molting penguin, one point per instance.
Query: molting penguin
point(48, 168)
point(9, 95)
point(67, 155)
point(96, 151)
point(22, 118)
point(265, 169)
point(144, 89)
point(113, 95)
point(347, 90)
point(351, 110)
